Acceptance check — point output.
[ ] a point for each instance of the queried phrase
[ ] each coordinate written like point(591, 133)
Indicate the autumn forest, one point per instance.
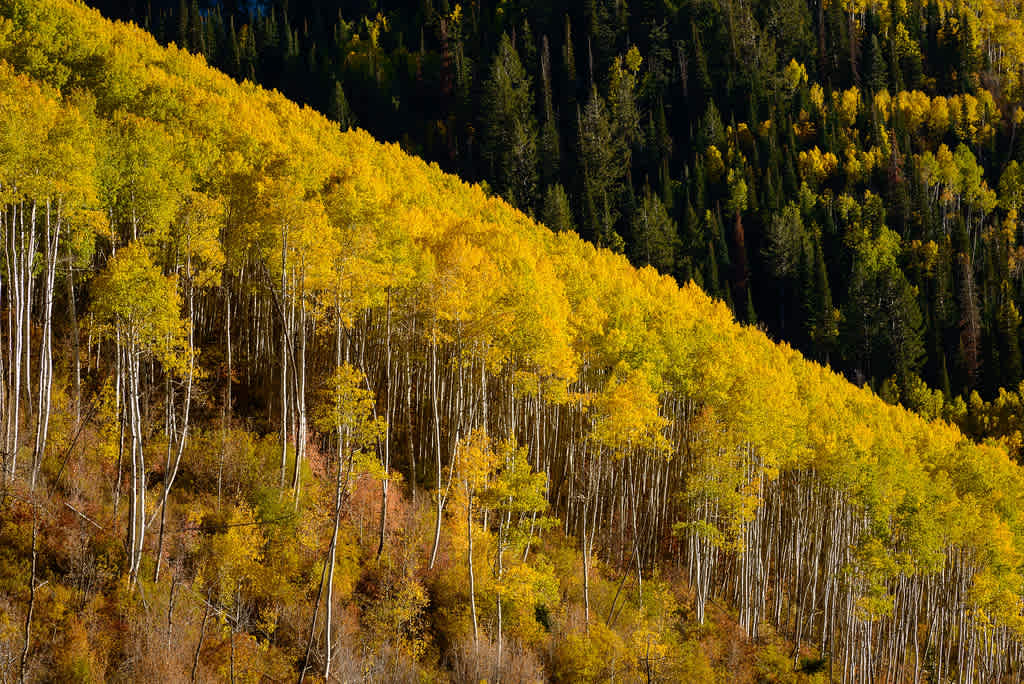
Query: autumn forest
point(511, 342)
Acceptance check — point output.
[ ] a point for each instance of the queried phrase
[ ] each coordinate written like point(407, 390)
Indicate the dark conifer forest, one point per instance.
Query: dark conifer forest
point(842, 176)
point(666, 341)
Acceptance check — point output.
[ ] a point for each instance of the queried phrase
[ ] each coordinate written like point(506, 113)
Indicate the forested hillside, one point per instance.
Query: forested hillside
point(282, 402)
point(846, 175)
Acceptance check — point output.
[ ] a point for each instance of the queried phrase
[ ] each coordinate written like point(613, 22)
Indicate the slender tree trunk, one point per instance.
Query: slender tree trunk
point(300, 404)
point(28, 265)
point(283, 356)
point(469, 564)
point(387, 434)
point(231, 643)
point(27, 632)
point(121, 408)
point(226, 415)
point(312, 626)
point(338, 498)
point(503, 528)
point(172, 466)
point(22, 264)
point(52, 233)
point(76, 359)
point(339, 487)
point(437, 450)
point(138, 502)
point(199, 644)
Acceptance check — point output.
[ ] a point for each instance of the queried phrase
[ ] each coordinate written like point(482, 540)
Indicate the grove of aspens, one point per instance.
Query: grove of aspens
point(511, 341)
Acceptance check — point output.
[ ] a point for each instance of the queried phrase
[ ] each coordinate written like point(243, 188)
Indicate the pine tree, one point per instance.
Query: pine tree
point(550, 142)
point(340, 111)
point(1009, 337)
point(196, 37)
point(700, 59)
point(969, 60)
point(569, 64)
point(654, 234)
point(556, 213)
point(711, 131)
point(904, 331)
point(944, 383)
point(183, 26)
point(824, 320)
point(597, 149)
point(624, 113)
point(878, 77)
point(750, 316)
point(234, 65)
point(510, 130)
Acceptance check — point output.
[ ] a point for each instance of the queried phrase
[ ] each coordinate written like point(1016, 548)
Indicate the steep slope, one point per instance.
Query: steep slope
point(300, 368)
point(846, 175)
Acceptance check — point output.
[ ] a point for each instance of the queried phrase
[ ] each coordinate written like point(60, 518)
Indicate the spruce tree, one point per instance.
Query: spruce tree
point(878, 77)
point(550, 142)
point(510, 129)
point(340, 110)
point(556, 213)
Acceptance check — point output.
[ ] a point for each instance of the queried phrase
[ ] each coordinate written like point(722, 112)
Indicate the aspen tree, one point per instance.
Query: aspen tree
point(347, 410)
point(203, 260)
point(141, 309)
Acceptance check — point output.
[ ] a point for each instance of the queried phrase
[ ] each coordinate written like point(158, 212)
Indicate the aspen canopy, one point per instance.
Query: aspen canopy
point(280, 402)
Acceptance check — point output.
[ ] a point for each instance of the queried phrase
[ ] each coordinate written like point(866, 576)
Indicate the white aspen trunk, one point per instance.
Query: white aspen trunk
point(138, 460)
point(120, 408)
point(28, 265)
point(283, 355)
point(4, 380)
point(76, 357)
point(437, 450)
point(133, 490)
point(586, 572)
point(469, 563)
point(386, 456)
point(503, 528)
point(408, 421)
point(226, 415)
point(329, 607)
point(300, 403)
point(4, 376)
point(46, 350)
point(172, 466)
point(16, 249)
point(594, 481)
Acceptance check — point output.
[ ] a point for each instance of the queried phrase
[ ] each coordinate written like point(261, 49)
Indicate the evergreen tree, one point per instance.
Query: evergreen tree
point(510, 130)
point(196, 37)
point(569, 64)
point(1009, 337)
point(340, 111)
point(550, 141)
point(182, 37)
point(654, 234)
point(556, 213)
point(878, 77)
point(623, 111)
point(597, 157)
point(234, 65)
point(969, 60)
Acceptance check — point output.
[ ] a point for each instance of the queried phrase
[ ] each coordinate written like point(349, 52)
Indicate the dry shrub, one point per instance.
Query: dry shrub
point(469, 665)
